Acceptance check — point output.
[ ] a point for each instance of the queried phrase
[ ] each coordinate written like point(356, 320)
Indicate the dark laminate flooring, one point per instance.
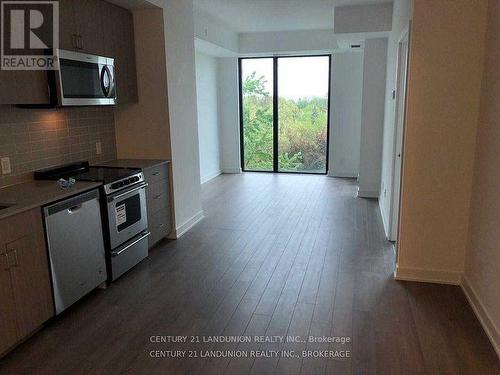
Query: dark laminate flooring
point(277, 255)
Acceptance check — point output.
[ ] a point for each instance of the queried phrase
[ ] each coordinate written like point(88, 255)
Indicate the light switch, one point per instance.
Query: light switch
point(98, 148)
point(6, 165)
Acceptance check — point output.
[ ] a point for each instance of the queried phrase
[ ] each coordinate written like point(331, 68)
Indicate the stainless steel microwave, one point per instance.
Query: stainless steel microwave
point(84, 79)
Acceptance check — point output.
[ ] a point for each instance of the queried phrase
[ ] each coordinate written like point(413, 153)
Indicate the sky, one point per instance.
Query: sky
point(298, 77)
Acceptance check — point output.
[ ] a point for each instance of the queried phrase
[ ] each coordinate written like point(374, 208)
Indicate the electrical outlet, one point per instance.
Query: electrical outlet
point(98, 148)
point(6, 165)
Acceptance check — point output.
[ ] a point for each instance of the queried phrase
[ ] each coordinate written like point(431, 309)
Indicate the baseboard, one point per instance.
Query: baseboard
point(368, 193)
point(428, 276)
point(210, 177)
point(184, 228)
point(343, 174)
point(385, 223)
point(482, 315)
point(231, 170)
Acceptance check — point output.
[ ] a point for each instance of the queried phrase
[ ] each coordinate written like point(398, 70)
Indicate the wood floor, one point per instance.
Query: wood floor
point(277, 255)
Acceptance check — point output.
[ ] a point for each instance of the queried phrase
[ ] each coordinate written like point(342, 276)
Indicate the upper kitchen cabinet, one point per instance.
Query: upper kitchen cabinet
point(67, 26)
point(88, 26)
point(24, 87)
point(100, 28)
point(119, 44)
point(82, 26)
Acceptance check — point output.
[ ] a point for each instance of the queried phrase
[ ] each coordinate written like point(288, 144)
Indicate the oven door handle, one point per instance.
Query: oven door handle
point(141, 186)
point(117, 253)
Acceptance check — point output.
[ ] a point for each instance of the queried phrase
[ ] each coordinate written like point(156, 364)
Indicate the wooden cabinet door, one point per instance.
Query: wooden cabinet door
point(89, 19)
point(67, 26)
point(120, 44)
point(30, 277)
point(24, 87)
point(8, 327)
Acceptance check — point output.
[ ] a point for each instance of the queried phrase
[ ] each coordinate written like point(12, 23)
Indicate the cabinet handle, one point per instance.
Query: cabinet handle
point(156, 173)
point(80, 38)
point(16, 260)
point(74, 41)
point(157, 196)
point(7, 266)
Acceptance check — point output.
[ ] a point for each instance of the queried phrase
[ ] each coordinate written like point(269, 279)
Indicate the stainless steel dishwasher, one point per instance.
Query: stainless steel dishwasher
point(76, 247)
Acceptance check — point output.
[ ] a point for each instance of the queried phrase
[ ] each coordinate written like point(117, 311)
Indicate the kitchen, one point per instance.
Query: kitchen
point(122, 245)
point(81, 202)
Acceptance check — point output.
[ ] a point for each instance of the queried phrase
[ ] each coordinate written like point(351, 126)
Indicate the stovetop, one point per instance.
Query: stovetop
point(106, 175)
point(113, 178)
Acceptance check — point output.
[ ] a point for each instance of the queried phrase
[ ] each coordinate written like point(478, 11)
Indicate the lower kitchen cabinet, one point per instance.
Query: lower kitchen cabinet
point(25, 289)
point(158, 198)
point(8, 328)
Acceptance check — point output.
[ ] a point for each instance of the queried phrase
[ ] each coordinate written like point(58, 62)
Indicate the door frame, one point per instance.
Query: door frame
point(275, 59)
point(399, 132)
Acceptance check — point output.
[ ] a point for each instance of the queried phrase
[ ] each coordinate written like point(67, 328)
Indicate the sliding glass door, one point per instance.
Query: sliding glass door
point(285, 114)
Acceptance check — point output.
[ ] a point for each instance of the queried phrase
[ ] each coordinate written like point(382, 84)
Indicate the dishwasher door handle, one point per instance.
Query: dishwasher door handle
point(71, 205)
point(75, 209)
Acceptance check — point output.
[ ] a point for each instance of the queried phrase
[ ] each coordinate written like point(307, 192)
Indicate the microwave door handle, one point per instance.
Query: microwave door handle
point(105, 73)
point(111, 81)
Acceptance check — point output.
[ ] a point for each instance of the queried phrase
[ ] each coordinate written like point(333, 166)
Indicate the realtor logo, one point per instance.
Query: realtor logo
point(30, 35)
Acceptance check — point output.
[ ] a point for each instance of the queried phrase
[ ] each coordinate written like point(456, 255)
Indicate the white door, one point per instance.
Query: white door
point(399, 118)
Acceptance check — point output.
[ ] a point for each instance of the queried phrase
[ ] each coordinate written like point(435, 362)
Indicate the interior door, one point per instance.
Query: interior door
point(400, 108)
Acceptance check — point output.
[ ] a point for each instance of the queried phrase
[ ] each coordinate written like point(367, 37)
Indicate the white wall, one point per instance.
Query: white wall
point(363, 18)
point(286, 41)
point(345, 118)
point(208, 116)
point(214, 31)
point(400, 22)
point(372, 117)
point(482, 263)
point(229, 115)
point(443, 107)
point(181, 82)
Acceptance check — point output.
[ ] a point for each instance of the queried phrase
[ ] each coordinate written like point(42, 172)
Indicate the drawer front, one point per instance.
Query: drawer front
point(18, 226)
point(156, 173)
point(159, 226)
point(128, 255)
point(158, 197)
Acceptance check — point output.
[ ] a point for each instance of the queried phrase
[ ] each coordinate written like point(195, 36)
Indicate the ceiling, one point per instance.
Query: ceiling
point(275, 15)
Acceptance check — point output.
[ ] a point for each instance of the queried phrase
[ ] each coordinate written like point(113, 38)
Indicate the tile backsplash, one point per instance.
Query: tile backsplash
point(39, 138)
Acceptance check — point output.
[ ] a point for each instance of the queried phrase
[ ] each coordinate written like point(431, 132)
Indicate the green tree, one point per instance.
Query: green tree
point(302, 129)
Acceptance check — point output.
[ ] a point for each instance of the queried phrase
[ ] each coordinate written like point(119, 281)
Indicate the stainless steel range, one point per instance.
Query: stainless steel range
point(123, 207)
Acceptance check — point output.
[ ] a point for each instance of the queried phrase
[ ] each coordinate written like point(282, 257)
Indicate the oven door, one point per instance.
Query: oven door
point(85, 79)
point(127, 215)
